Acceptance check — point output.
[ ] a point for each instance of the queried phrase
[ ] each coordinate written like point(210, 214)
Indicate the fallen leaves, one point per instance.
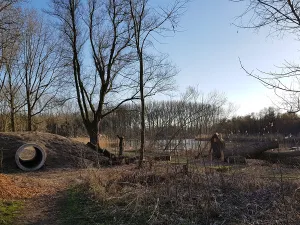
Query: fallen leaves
point(19, 188)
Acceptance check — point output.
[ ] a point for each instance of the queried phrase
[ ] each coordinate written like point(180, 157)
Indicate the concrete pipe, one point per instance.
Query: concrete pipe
point(30, 157)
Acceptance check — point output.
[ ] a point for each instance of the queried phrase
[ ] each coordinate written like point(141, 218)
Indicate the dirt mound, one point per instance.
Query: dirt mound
point(61, 152)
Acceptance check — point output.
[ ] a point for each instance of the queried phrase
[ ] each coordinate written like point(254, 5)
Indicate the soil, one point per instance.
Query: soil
point(44, 208)
point(61, 152)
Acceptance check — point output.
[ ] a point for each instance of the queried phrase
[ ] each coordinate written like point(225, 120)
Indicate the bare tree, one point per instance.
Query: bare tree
point(282, 16)
point(12, 89)
point(148, 22)
point(103, 83)
point(11, 79)
point(10, 23)
point(39, 65)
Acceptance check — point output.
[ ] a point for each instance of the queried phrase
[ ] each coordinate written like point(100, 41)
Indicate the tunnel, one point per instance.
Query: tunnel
point(30, 157)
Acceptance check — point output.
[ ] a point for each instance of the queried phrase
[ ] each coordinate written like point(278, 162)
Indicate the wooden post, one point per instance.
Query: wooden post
point(121, 145)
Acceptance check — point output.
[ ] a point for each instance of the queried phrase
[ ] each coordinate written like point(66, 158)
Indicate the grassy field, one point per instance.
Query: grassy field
point(166, 193)
point(169, 195)
point(183, 191)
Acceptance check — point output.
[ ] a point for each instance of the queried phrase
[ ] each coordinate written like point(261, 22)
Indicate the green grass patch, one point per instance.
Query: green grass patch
point(9, 211)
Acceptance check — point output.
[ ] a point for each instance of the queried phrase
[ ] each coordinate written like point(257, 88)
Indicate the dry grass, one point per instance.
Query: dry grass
point(168, 195)
point(257, 193)
point(105, 142)
point(83, 140)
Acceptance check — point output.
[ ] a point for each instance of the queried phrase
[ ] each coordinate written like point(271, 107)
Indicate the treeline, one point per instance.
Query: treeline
point(164, 119)
point(268, 121)
point(63, 121)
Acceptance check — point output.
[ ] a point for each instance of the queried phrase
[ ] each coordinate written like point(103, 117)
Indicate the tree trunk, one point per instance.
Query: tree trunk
point(11, 101)
point(12, 113)
point(280, 155)
point(142, 149)
point(12, 119)
point(29, 121)
point(92, 130)
point(253, 150)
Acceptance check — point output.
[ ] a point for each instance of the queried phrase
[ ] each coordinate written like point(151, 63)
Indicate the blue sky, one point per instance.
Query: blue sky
point(208, 48)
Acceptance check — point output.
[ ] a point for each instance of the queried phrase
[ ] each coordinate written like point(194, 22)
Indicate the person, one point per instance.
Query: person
point(217, 146)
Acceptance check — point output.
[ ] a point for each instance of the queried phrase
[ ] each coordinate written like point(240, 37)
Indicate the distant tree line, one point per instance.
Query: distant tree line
point(163, 119)
point(265, 123)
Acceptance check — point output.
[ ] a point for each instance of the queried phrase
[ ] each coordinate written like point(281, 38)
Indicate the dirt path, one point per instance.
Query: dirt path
point(45, 209)
point(41, 211)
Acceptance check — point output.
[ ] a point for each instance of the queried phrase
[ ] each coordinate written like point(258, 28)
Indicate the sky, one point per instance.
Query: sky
point(208, 48)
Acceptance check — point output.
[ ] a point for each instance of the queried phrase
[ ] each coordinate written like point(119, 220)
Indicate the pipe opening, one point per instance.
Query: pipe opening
point(30, 157)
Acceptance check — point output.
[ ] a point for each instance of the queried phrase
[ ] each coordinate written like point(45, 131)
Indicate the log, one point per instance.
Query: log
point(253, 150)
point(280, 155)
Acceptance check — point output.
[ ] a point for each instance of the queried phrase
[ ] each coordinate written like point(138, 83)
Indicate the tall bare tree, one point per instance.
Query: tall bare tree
point(283, 17)
point(102, 83)
point(10, 23)
point(12, 89)
point(40, 66)
point(11, 79)
point(148, 22)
